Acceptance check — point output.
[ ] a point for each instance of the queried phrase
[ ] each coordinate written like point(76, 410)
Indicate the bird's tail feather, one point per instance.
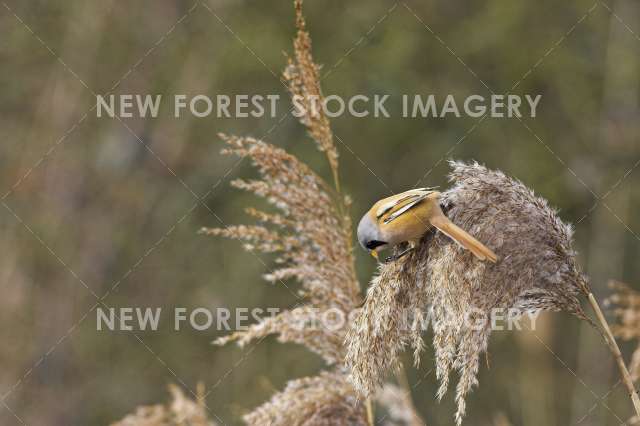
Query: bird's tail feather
point(463, 238)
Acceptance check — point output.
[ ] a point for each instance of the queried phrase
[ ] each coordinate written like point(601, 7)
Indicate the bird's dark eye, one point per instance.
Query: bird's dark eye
point(373, 244)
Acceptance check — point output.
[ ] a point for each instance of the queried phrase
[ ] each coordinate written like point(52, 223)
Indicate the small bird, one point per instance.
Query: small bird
point(405, 217)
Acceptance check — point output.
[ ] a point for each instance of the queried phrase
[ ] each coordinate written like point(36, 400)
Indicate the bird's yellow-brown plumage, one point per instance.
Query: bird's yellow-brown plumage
point(405, 217)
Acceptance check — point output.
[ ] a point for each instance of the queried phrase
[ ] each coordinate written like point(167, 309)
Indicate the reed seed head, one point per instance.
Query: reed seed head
point(179, 412)
point(441, 281)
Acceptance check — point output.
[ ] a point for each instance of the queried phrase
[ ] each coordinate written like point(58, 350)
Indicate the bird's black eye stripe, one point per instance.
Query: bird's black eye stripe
point(371, 245)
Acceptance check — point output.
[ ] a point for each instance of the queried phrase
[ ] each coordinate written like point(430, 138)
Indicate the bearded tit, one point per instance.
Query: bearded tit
point(406, 217)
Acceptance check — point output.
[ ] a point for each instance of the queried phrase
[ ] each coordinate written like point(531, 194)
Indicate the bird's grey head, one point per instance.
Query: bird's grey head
point(368, 234)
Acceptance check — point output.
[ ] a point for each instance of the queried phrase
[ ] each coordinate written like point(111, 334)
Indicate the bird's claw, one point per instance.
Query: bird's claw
point(398, 256)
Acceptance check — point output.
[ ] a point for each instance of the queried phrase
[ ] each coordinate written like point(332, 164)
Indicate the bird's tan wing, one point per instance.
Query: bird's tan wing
point(463, 238)
point(401, 204)
point(396, 200)
point(404, 207)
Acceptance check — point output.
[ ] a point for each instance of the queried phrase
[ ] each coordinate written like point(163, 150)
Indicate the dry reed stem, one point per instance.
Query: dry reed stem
point(370, 414)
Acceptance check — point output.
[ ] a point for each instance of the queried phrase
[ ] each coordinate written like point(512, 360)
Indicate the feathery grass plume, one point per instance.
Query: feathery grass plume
point(400, 410)
point(296, 325)
point(381, 331)
point(303, 79)
point(181, 411)
point(537, 270)
point(327, 399)
point(626, 309)
point(313, 247)
point(311, 234)
point(311, 241)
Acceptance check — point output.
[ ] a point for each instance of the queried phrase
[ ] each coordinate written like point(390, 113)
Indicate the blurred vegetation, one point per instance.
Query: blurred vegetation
point(100, 200)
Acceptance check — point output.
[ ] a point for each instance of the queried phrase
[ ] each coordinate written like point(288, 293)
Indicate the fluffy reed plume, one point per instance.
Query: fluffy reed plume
point(181, 411)
point(446, 284)
point(327, 399)
point(381, 331)
point(626, 309)
point(311, 240)
point(303, 77)
point(311, 234)
point(400, 410)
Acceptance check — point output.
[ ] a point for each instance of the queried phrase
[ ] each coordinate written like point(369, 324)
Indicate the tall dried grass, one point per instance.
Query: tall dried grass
point(312, 235)
point(312, 242)
point(303, 77)
point(326, 399)
point(181, 411)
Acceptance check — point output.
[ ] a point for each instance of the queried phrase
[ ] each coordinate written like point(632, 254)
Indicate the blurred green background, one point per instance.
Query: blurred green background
point(98, 208)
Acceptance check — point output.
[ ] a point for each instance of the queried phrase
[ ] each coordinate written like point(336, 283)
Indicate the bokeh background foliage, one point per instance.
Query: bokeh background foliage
point(106, 203)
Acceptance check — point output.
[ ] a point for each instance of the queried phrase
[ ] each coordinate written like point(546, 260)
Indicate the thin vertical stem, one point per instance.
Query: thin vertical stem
point(336, 180)
point(370, 416)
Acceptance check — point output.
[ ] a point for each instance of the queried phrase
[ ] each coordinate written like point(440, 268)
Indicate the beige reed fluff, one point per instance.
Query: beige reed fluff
point(181, 411)
point(324, 400)
point(311, 234)
point(537, 270)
